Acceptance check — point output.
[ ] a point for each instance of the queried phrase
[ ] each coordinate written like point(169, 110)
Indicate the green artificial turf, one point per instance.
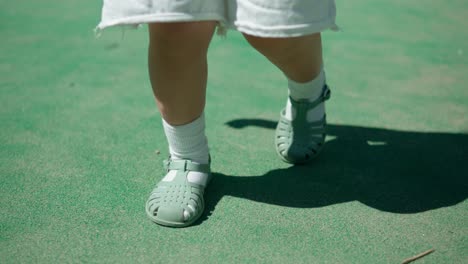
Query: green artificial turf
point(80, 137)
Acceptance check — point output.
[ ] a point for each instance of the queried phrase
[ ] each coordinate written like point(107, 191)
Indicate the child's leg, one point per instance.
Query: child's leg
point(178, 68)
point(178, 72)
point(300, 133)
point(300, 58)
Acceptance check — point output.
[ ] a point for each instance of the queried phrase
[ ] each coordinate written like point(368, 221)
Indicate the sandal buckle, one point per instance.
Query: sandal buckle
point(326, 93)
point(167, 163)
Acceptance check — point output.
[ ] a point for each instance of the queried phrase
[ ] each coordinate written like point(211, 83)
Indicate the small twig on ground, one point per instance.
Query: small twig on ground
point(425, 253)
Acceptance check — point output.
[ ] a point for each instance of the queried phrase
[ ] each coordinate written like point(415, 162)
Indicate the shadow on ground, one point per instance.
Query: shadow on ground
point(389, 170)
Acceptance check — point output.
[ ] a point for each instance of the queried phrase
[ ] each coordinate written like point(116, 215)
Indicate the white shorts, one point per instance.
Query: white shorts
point(263, 18)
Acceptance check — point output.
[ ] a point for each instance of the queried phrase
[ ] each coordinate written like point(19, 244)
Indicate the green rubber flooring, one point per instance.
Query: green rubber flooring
point(80, 137)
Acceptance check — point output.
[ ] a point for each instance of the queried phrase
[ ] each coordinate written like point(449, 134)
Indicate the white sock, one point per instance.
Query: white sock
point(310, 90)
point(188, 142)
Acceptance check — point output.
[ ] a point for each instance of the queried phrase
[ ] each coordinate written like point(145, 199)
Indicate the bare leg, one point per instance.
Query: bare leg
point(178, 68)
point(178, 73)
point(300, 58)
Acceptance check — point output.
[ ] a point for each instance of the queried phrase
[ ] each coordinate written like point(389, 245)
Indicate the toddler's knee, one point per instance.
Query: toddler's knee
point(182, 35)
point(281, 48)
point(268, 46)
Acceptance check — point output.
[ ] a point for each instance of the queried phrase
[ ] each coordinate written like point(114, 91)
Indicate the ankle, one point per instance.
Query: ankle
point(188, 141)
point(310, 90)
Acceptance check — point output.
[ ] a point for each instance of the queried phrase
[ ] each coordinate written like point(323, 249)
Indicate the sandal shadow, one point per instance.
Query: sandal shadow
point(389, 170)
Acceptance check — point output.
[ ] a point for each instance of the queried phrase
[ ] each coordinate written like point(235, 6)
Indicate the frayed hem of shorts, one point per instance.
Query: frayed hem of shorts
point(286, 31)
point(221, 29)
point(222, 26)
point(135, 22)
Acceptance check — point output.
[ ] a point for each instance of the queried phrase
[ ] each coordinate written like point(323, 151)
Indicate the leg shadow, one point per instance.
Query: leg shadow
point(389, 170)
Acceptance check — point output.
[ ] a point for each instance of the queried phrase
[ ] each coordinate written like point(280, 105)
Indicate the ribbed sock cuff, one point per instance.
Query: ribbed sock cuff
point(310, 90)
point(188, 141)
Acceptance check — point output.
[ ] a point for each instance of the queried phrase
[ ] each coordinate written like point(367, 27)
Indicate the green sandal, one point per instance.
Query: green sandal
point(299, 141)
point(168, 201)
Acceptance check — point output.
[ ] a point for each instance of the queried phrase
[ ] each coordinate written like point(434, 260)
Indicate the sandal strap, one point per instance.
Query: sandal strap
point(304, 103)
point(186, 165)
